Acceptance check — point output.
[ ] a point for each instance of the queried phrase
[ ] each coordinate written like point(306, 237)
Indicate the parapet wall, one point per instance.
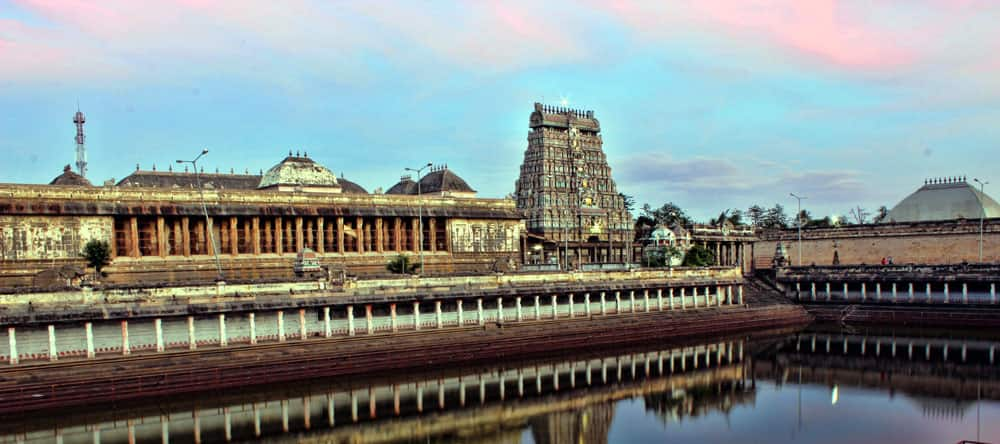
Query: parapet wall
point(945, 242)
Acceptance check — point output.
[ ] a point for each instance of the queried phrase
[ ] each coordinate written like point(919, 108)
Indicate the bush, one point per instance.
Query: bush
point(98, 254)
point(698, 256)
point(401, 265)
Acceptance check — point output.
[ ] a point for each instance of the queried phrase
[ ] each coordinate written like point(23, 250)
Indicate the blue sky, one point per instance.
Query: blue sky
point(716, 105)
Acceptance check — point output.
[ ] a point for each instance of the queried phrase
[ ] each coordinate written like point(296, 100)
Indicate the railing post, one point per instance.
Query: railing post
point(223, 340)
point(416, 314)
point(192, 340)
point(517, 305)
point(126, 347)
point(659, 299)
point(555, 306)
point(350, 323)
point(89, 332)
point(12, 342)
point(479, 311)
point(965, 293)
point(252, 318)
point(461, 314)
point(586, 303)
point(500, 310)
point(158, 330)
point(328, 325)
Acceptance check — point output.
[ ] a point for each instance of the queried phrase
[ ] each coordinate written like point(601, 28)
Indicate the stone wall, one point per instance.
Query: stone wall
point(485, 236)
point(49, 237)
point(946, 242)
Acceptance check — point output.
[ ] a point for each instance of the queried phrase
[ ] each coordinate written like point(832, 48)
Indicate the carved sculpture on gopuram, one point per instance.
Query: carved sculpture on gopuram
point(574, 216)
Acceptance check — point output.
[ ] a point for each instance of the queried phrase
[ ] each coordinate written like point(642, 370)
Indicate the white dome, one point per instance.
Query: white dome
point(297, 171)
point(946, 200)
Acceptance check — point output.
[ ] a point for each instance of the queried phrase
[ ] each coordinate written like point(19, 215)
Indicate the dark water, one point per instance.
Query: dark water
point(813, 386)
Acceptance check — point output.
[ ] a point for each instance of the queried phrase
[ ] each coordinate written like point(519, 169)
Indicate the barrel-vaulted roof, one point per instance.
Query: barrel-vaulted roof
point(944, 199)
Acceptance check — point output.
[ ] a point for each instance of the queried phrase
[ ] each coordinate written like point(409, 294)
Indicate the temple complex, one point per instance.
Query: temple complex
point(574, 213)
point(158, 231)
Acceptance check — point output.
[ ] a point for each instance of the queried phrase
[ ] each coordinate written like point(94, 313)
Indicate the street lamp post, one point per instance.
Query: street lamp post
point(420, 216)
point(982, 214)
point(798, 222)
point(204, 210)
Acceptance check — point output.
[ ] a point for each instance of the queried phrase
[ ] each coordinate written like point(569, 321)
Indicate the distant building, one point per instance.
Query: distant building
point(565, 189)
point(155, 225)
point(936, 224)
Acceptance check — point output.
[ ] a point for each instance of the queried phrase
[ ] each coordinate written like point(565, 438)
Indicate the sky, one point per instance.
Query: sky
point(712, 105)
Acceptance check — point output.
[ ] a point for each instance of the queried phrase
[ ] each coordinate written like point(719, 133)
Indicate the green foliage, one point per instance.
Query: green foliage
point(401, 265)
point(667, 215)
point(97, 253)
point(774, 217)
point(756, 214)
point(698, 256)
point(661, 256)
point(629, 202)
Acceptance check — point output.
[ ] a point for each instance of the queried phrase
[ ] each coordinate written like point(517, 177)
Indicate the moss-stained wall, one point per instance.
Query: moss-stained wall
point(50, 237)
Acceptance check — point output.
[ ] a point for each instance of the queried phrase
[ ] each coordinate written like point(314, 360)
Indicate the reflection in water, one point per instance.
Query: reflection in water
point(717, 391)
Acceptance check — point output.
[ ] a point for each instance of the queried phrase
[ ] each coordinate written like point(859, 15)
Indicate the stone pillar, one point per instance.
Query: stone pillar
point(604, 305)
point(828, 294)
point(631, 301)
point(538, 308)
point(299, 238)
point(252, 317)
point(719, 295)
point(586, 304)
point(659, 299)
point(255, 239)
point(126, 347)
point(798, 291)
point(878, 292)
point(965, 293)
point(812, 291)
point(437, 314)
point(729, 294)
point(158, 331)
point(706, 297)
point(479, 311)
point(845, 291)
point(993, 293)
point(233, 237)
point(618, 302)
point(223, 340)
point(185, 237)
point(393, 324)
point(416, 315)
point(281, 326)
point(192, 340)
point(379, 235)
point(12, 343)
point(350, 320)
point(320, 235)
point(161, 236)
point(431, 229)
point(369, 321)
point(740, 294)
point(134, 236)
point(500, 310)
point(88, 329)
point(893, 292)
point(645, 297)
point(461, 318)
point(359, 230)
point(397, 234)
point(910, 292)
point(670, 298)
point(555, 306)
point(947, 294)
point(517, 305)
point(328, 325)
point(864, 292)
point(340, 235)
point(683, 299)
point(929, 294)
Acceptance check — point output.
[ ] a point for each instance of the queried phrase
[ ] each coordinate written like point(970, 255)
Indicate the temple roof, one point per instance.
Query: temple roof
point(406, 185)
point(944, 199)
point(68, 177)
point(172, 179)
point(443, 180)
point(299, 171)
point(349, 187)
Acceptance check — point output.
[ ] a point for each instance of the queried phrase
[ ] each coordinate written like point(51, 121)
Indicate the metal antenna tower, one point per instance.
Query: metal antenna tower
point(81, 151)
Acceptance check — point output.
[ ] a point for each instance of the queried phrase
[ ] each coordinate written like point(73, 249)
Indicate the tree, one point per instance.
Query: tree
point(629, 201)
point(775, 217)
point(667, 215)
point(860, 215)
point(756, 215)
point(98, 254)
point(698, 256)
point(881, 215)
point(662, 256)
point(401, 265)
point(735, 217)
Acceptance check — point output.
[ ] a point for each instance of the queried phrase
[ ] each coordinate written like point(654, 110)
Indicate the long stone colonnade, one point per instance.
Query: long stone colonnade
point(125, 336)
point(162, 236)
point(937, 349)
point(894, 292)
point(618, 376)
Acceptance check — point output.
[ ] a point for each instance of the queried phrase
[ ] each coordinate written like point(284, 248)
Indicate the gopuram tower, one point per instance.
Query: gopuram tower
point(574, 213)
